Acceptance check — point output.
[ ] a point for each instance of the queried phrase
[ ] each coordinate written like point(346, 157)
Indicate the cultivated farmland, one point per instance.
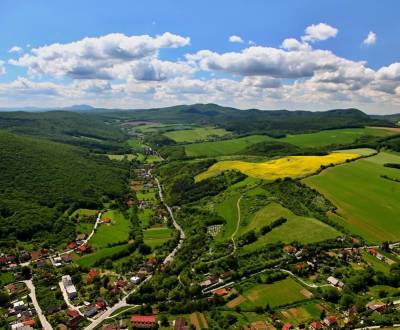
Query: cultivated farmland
point(368, 203)
point(225, 147)
point(292, 166)
point(196, 134)
point(336, 136)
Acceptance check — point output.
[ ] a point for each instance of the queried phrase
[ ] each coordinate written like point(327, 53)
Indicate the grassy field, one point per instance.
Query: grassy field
point(196, 134)
point(302, 314)
point(127, 157)
point(157, 236)
point(297, 228)
point(228, 210)
point(144, 216)
point(6, 278)
point(276, 294)
point(225, 147)
point(115, 232)
point(79, 212)
point(90, 259)
point(135, 144)
point(375, 263)
point(336, 136)
point(369, 204)
point(292, 166)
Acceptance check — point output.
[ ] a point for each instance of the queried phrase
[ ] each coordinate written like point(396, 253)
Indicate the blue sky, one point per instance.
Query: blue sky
point(202, 66)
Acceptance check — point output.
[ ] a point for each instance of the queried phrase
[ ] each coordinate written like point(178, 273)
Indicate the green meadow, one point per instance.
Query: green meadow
point(157, 236)
point(279, 293)
point(336, 136)
point(196, 134)
point(224, 147)
point(115, 232)
point(90, 259)
point(297, 228)
point(367, 203)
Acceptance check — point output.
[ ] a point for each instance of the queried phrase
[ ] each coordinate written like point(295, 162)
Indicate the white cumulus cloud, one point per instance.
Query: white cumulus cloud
point(319, 32)
point(236, 39)
point(370, 39)
point(15, 49)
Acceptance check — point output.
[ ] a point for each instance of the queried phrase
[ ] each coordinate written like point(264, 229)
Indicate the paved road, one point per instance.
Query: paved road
point(171, 256)
point(66, 298)
point(45, 324)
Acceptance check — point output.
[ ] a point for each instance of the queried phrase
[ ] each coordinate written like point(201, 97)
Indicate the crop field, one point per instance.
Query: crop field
point(225, 147)
point(90, 259)
point(336, 136)
point(196, 134)
point(157, 236)
point(292, 166)
point(279, 293)
point(301, 229)
point(367, 203)
point(115, 232)
point(301, 314)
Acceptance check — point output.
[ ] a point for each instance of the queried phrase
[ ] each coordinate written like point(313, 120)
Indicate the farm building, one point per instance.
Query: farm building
point(143, 321)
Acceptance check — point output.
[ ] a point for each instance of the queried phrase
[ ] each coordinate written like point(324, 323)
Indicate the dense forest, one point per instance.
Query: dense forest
point(252, 121)
point(42, 179)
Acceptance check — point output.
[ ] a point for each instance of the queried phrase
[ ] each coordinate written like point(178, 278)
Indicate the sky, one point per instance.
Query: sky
point(278, 54)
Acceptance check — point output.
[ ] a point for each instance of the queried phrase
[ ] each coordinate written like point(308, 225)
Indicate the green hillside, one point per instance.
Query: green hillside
point(40, 180)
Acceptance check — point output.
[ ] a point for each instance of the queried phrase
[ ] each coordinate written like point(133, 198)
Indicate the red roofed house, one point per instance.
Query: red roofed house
point(143, 321)
point(91, 275)
point(107, 220)
point(72, 245)
point(330, 320)
point(316, 326)
point(72, 313)
point(287, 326)
point(83, 248)
point(100, 303)
point(373, 251)
point(30, 323)
point(221, 292)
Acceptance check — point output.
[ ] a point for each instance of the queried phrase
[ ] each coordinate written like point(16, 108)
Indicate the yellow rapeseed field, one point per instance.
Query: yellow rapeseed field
point(292, 166)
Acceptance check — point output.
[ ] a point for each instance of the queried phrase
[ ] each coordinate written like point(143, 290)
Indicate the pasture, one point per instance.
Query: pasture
point(368, 204)
point(297, 228)
point(336, 136)
point(224, 147)
point(228, 210)
point(115, 232)
point(292, 166)
point(90, 259)
point(279, 293)
point(196, 134)
point(157, 236)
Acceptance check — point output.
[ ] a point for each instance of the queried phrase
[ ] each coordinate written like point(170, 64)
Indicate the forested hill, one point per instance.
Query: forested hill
point(252, 120)
point(41, 179)
point(85, 130)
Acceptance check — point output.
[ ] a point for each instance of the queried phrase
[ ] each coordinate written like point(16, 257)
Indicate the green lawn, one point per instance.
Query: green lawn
point(280, 293)
point(90, 259)
point(135, 144)
point(337, 136)
point(111, 233)
point(369, 205)
point(225, 147)
point(147, 195)
point(6, 278)
point(84, 227)
point(157, 236)
point(196, 134)
point(297, 228)
point(84, 212)
point(144, 216)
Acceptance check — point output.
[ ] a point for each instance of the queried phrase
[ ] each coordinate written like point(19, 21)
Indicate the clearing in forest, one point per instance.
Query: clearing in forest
point(196, 134)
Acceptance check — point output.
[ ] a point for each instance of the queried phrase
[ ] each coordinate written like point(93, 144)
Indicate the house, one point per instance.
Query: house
point(91, 275)
point(90, 311)
point(57, 261)
point(83, 248)
point(19, 306)
point(289, 249)
point(67, 258)
point(11, 288)
point(30, 323)
point(316, 325)
point(143, 321)
point(72, 246)
point(69, 287)
point(72, 313)
point(135, 279)
point(259, 325)
point(330, 320)
point(107, 220)
point(180, 324)
point(335, 282)
point(378, 307)
point(80, 237)
point(100, 303)
point(287, 326)
point(221, 292)
point(210, 281)
point(110, 327)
